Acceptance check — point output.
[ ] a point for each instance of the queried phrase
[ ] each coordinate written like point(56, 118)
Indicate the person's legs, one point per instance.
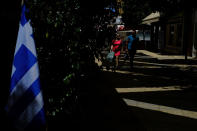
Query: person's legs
point(131, 57)
point(117, 60)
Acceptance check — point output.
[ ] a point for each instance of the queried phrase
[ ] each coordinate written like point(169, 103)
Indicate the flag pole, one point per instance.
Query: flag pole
point(22, 2)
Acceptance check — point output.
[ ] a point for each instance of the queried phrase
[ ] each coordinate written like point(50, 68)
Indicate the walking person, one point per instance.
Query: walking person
point(132, 42)
point(116, 47)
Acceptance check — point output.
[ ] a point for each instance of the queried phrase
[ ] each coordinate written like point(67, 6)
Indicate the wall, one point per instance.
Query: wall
point(174, 35)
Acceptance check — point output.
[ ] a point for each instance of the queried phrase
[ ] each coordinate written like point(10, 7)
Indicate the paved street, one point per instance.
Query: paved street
point(160, 94)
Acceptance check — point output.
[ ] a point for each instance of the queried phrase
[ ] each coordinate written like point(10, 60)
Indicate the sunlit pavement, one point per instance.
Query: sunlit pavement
point(161, 90)
point(160, 108)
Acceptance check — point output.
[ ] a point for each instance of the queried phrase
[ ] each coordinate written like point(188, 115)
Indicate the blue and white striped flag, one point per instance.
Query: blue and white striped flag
point(25, 103)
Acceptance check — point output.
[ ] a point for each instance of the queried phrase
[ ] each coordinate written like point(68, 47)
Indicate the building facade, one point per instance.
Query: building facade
point(174, 34)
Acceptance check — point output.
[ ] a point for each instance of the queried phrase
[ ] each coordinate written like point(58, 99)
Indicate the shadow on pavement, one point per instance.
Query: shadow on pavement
point(103, 109)
point(107, 106)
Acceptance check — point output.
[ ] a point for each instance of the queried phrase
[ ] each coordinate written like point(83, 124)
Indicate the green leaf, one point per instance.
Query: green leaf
point(47, 35)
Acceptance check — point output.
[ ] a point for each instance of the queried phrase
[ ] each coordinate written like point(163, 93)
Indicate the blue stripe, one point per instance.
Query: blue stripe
point(23, 61)
point(25, 100)
point(38, 123)
point(23, 18)
point(32, 35)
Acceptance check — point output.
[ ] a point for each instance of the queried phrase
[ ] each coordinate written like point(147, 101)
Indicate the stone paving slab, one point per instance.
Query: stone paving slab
point(162, 57)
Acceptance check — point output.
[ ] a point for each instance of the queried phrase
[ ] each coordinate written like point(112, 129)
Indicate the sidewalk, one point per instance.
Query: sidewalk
point(172, 60)
point(102, 108)
point(163, 57)
point(160, 94)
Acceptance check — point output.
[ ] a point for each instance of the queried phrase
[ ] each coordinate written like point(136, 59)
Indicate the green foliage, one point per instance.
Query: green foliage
point(68, 79)
point(67, 42)
point(57, 34)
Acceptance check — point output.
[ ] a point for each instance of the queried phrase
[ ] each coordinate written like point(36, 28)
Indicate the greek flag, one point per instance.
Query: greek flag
point(25, 103)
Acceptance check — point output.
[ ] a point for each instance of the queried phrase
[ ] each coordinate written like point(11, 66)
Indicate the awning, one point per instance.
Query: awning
point(153, 17)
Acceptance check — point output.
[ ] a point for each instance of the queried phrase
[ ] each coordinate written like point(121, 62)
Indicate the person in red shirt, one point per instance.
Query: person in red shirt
point(116, 47)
